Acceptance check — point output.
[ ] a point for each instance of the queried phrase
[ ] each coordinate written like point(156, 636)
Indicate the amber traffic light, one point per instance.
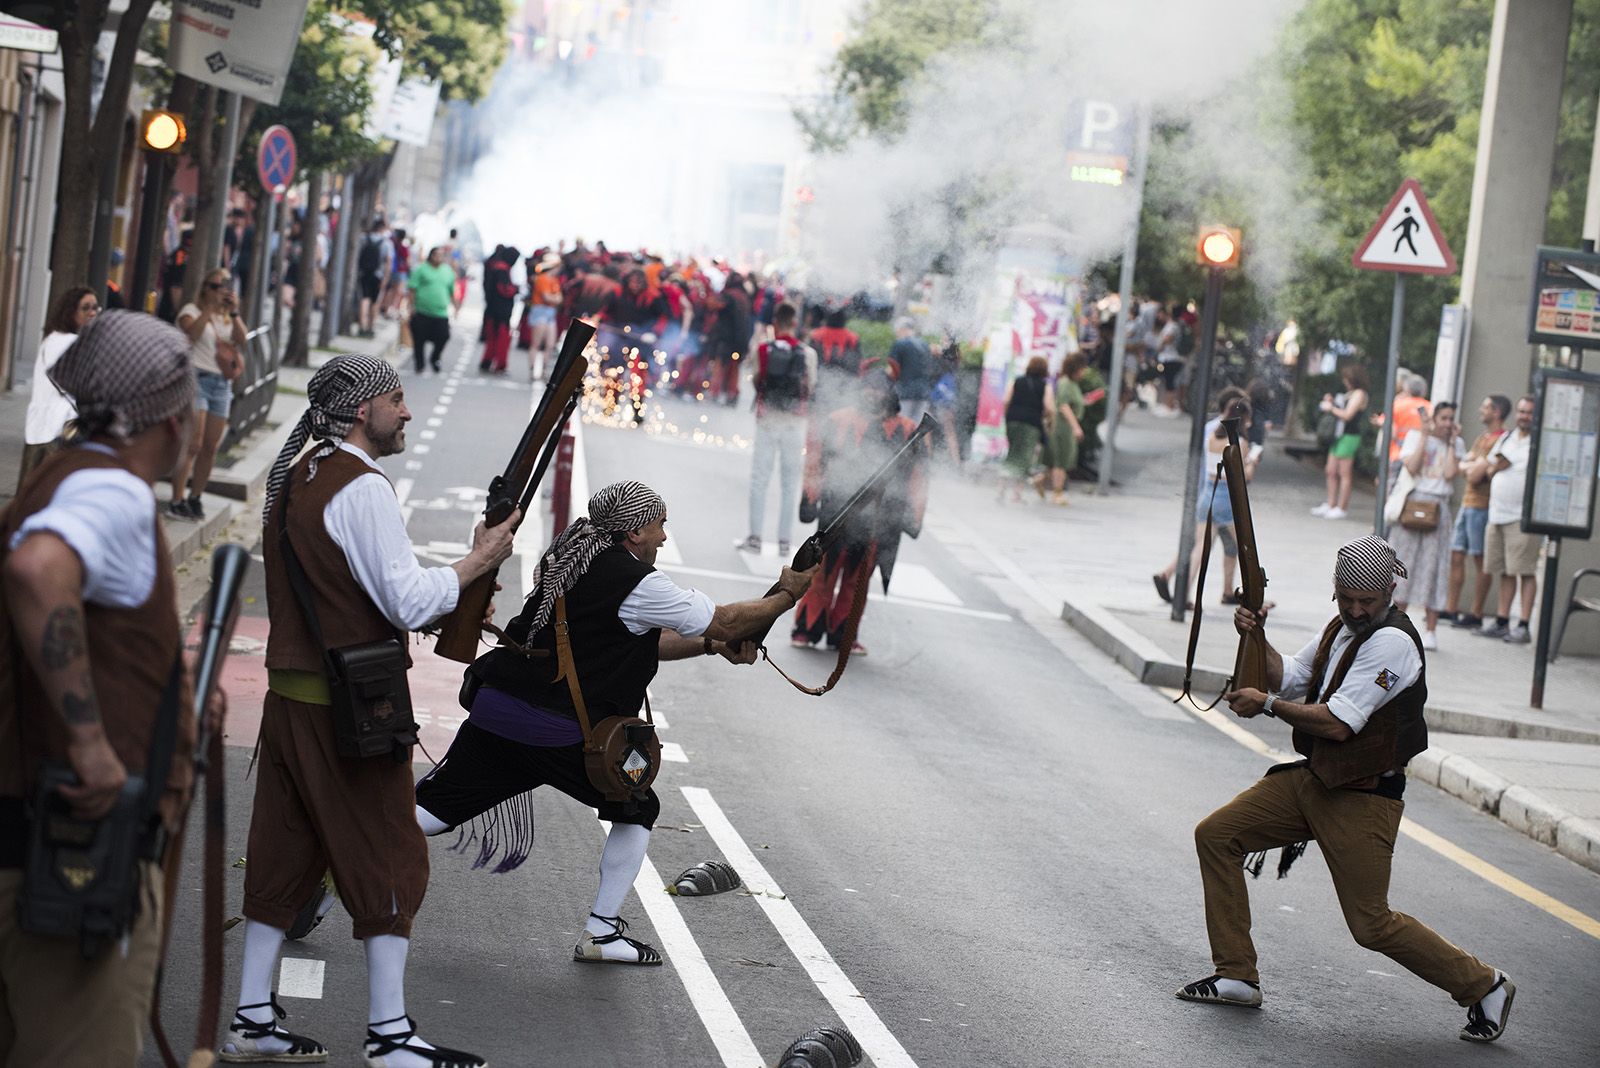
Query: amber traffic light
point(162, 131)
point(1217, 246)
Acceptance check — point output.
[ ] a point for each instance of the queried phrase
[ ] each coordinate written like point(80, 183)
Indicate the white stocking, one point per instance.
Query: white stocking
point(619, 867)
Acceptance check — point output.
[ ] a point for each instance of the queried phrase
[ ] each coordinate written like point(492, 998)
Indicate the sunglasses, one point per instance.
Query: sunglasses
point(217, 285)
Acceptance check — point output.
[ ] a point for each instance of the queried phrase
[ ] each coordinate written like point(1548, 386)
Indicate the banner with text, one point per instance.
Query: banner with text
point(243, 46)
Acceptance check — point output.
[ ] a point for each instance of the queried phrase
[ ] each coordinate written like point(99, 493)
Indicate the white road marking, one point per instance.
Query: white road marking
point(429, 435)
point(672, 751)
point(413, 465)
point(300, 978)
point(420, 450)
point(956, 610)
point(434, 420)
point(716, 1012)
point(442, 408)
point(851, 1005)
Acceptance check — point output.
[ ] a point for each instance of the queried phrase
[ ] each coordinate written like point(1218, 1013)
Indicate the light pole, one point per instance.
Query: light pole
point(1217, 249)
point(161, 134)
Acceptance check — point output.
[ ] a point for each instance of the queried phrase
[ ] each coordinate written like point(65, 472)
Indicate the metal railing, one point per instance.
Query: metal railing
point(255, 388)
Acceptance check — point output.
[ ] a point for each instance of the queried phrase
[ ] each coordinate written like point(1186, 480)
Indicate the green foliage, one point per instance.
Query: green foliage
point(458, 43)
point(890, 43)
point(876, 339)
point(328, 94)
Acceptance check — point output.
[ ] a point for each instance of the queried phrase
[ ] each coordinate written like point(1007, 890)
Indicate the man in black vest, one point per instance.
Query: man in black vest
point(623, 618)
point(1354, 696)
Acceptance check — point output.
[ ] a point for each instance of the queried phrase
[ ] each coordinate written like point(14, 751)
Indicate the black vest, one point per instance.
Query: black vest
point(614, 664)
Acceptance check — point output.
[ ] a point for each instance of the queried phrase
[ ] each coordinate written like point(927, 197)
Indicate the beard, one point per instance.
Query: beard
point(1358, 627)
point(391, 442)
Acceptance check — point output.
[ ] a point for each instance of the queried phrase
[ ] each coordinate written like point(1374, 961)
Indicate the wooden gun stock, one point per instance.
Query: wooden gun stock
point(1250, 663)
point(459, 631)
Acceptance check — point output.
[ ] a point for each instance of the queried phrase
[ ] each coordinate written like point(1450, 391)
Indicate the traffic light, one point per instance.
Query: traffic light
point(1217, 246)
point(162, 131)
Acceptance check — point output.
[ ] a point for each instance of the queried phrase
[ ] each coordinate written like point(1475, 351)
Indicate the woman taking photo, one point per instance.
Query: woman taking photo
point(216, 352)
point(49, 410)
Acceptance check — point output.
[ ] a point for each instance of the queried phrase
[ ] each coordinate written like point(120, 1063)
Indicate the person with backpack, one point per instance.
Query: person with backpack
point(786, 375)
point(373, 263)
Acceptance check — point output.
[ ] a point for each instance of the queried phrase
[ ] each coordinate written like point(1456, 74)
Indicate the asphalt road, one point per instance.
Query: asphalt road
point(976, 851)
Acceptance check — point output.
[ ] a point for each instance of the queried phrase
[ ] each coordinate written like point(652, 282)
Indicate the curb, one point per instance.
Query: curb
point(1516, 806)
point(1149, 664)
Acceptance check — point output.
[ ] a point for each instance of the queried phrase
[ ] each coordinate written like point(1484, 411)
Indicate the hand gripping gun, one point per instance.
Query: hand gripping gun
point(515, 488)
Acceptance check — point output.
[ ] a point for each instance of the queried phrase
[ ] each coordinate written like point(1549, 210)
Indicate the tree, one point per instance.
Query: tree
point(90, 143)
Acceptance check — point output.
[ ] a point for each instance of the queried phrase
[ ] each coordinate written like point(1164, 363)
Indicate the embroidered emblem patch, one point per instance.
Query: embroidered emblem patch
point(1387, 678)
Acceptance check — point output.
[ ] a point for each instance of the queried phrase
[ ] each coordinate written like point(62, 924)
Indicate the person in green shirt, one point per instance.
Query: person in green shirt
point(1061, 446)
point(433, 299)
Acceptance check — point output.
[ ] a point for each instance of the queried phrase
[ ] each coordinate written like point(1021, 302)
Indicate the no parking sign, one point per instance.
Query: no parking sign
point(275, 159)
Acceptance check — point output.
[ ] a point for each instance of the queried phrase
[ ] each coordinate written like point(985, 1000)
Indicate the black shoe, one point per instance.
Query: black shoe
point(1482, 1029)
point(196, 509)
point(1206, 990)
point(1466, 622)
point(1163, 590)
point(180, 510)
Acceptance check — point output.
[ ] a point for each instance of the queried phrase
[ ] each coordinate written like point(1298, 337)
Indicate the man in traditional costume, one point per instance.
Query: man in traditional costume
point(1354, 696)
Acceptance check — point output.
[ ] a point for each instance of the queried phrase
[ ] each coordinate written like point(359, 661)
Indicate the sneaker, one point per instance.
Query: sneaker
point(1429, 640)
point(1466, 622)
point(752, 544)
point(1322, 509)
point(180, 510)
point(799, 640)
point(1493, 629)
point(783, 547)
point(1480, 1027)
point(1212, 989)
point(1335, 513)
point(196, 509)
point(1518, 634)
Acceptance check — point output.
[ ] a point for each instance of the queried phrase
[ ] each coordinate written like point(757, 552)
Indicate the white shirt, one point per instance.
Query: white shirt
point(203, 349)
point(1431, 479)
point(364, 520)
point(1385, 666)
point(48, 407)
point(659, 602)
point(1505, 487)
point(108, 517)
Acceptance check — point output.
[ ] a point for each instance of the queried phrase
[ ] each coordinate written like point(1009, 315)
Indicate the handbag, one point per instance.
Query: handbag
point(1419, 514)
point(1327, 429)
point(621, 754)
point(1404, 483)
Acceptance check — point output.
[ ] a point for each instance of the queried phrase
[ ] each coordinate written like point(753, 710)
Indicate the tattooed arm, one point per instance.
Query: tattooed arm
point(43, 585)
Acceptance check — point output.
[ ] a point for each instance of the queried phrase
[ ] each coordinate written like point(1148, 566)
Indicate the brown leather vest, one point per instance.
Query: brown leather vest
point(344, 611)
point(131, 652)
point(1394, 734)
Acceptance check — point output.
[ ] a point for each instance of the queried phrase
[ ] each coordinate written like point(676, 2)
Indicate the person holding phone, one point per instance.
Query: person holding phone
point(216, 351)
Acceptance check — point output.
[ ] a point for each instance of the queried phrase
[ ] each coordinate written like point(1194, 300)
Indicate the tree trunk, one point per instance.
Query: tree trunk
point(298, 352)
point(81, 160)
point(201, 258)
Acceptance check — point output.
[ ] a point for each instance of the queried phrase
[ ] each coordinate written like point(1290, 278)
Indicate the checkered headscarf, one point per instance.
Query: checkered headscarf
point(617, 509)
point(1368, 563)
point(126, 372)
point(338, 388)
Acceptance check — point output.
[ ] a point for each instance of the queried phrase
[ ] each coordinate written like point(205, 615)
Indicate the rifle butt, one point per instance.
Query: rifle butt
point(459, 632)
point(202, 1058)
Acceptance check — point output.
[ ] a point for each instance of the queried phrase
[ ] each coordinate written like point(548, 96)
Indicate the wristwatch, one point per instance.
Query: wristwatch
point(1266, 707)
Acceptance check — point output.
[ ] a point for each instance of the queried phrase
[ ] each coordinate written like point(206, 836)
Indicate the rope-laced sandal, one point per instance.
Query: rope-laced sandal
point(1479, 1027)
point(588, 951)
point(245, 1036)
point(379, 1046)
point(1206, 990)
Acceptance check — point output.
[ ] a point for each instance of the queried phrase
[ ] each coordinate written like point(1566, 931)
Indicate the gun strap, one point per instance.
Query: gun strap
point(1199, 589)
point(568, 669)
point(852, 626)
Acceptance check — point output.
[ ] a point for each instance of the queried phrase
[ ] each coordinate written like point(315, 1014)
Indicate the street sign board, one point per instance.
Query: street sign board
point(25, 36)
point(275, 159)
point(1564, 460)
point(1100, 141)
point(1406, 238)
point(1565, 309)
point(245, 48)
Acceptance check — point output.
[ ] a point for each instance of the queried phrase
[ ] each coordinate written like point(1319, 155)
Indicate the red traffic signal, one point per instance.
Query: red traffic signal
point(1217, 246)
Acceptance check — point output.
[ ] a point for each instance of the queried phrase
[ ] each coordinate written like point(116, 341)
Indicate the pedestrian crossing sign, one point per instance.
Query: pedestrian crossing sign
point(1406, 237)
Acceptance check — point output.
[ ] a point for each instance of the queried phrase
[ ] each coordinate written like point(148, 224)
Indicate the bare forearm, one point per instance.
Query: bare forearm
point(1313, 719)
point(741, 619)
point(43, 583)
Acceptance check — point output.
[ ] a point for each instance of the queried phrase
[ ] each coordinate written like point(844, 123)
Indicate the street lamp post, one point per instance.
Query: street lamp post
point(1218, 251)
point(161, 134)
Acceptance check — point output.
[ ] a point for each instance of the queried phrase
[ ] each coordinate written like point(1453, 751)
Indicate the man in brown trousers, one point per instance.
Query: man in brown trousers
point(89, 663)
point(1354, 696)
point(317, 808)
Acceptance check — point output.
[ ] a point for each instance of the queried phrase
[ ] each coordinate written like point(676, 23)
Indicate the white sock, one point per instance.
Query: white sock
point(386, 996)
point(430, 824)
point(1235, 988)
point(1495, 1000)
point(261, 946)
point(619, 867)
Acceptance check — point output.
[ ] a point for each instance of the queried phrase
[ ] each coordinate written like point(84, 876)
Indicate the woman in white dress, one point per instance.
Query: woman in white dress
point(1432, 455)
point(49, 410)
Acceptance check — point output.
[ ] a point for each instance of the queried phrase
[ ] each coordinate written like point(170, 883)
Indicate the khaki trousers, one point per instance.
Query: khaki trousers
point(1356, 832)
point(60, 1010)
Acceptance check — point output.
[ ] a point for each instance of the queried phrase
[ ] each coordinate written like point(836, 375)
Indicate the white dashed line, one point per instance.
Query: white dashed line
point(673, 752)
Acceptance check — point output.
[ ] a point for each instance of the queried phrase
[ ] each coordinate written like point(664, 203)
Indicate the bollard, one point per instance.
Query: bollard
point(561, 492)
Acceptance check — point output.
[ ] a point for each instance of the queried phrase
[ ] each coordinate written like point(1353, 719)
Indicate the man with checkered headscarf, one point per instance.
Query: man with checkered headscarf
point(90, 647)
point(1353, 696)
point(623, 618)
point(316, 809)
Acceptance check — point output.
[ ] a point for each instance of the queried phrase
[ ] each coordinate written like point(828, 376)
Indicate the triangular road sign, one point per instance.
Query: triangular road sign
point(1406, 237)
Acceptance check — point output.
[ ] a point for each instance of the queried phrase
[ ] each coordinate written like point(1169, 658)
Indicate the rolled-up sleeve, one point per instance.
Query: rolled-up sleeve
point(1297, 671)
point(659, 602)
point(364, 520)
point(1385, 665)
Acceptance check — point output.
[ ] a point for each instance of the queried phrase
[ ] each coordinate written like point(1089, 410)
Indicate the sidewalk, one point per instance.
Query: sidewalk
point(241, 470)
point(1536, 770)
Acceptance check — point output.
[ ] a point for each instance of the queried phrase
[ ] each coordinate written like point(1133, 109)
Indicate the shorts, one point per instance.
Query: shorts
point(542, 315)
point(1345, 448)
point(1467, 535)
point(483, 769)
point(1221, 506)
point(213, 394)
point(370, 285)
point(1171, 370)
point(1508, 551)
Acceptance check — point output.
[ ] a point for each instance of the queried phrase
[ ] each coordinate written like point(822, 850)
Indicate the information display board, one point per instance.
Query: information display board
point(1558, 500)
point(1565, 309)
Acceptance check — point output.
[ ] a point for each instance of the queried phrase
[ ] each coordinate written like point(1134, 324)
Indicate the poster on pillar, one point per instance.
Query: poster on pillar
point(1034, 309)
point(1406, 238)
point(243, 46)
